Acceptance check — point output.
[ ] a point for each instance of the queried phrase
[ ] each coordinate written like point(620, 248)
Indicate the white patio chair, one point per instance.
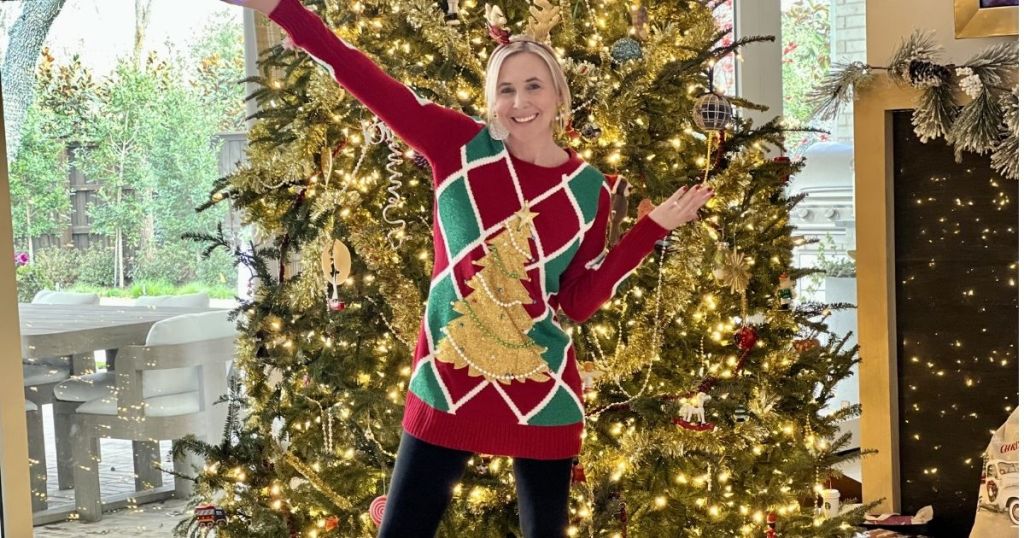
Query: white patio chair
point(42, 374)
point(53, 369)
point(164, 390)
point(65, 297)
point(192, 300)
point(71, 393)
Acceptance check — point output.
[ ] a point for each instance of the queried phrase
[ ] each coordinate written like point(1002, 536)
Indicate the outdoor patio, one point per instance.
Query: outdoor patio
point(128, 511)
point(116, 478)
point(147, 521)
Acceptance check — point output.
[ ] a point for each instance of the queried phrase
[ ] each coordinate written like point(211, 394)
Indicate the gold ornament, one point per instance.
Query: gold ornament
point(490, 337)
point(273, 322)
point(336, 262)
point(731, 269)
point(326, 164)
point(315, 479)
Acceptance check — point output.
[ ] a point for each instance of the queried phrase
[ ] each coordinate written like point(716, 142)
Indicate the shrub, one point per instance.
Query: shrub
point(171, 262)
point(97, 267)
point(58, 267)
point(218, 269)
point(30, 281)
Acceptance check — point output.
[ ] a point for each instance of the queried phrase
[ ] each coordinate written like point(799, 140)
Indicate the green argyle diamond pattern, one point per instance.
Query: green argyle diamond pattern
point(458, 220)
point(554, 339)
point(560, 411)
point(439, 307)
point(554, 268)
point(426, 385)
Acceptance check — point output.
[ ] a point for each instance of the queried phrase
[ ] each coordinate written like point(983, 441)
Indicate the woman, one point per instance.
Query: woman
point(507, 181)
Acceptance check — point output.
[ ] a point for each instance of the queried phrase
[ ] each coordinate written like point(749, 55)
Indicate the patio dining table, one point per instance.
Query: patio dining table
point(59, 330)
point(77, 331)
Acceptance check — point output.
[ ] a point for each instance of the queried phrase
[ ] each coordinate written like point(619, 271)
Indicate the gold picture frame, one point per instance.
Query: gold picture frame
point(973, 20)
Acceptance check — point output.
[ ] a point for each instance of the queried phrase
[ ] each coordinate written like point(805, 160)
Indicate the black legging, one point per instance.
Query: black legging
point(425, 475)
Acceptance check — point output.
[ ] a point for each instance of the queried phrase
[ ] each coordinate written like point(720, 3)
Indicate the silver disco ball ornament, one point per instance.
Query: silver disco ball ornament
point(712, 112)
point(626, 49)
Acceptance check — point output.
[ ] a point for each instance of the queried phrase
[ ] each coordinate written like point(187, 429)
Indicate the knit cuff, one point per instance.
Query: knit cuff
point(647, 232)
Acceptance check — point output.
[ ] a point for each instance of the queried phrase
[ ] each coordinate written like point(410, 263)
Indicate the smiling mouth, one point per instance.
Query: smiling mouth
point(526, 119)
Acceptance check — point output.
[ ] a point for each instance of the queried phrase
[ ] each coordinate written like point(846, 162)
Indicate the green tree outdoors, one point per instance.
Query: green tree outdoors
point(218, 56)
point(39, 180)
point(116, 156)
point(147, 136)
point(806, 55)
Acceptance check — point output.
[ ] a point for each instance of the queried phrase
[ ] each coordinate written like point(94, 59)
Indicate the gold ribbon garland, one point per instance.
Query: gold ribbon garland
point(314, 478)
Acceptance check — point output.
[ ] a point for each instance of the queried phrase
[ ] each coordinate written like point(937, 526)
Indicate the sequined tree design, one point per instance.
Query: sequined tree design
point(499, 350)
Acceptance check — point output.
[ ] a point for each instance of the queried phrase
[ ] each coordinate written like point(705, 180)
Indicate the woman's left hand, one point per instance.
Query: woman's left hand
point(682, 206)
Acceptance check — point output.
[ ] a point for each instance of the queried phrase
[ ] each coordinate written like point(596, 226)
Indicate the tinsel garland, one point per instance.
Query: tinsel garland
point(978, 127)
point(314, 478)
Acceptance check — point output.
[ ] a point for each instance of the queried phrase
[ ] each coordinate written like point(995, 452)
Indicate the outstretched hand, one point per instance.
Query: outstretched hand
point(263, 6)
point(682, 206)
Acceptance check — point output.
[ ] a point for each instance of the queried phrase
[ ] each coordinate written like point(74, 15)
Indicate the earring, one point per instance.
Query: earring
point(496, 129)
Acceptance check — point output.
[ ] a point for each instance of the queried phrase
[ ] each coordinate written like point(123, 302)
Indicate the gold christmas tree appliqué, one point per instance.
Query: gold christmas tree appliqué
point(490, 335)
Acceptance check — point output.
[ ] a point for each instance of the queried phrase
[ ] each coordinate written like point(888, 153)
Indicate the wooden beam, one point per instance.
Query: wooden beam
point(876, 302)
point(14, 468)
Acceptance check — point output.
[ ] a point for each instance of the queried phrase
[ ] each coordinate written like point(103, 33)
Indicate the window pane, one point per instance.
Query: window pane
point(725, 70)
point(815, 34)
point(132, 119)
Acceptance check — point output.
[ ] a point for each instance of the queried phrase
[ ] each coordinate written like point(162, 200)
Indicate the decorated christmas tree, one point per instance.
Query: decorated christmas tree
point(707, 381)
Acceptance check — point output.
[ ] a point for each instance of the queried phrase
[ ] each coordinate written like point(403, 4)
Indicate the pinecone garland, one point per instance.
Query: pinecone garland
point(922, 74)
point(970, 82)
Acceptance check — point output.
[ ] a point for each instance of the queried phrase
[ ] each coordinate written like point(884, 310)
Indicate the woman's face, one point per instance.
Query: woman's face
point(527, 100)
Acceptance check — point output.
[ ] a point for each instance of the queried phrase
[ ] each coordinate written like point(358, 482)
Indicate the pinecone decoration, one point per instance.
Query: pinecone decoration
point(626, 49)
point(922, 74)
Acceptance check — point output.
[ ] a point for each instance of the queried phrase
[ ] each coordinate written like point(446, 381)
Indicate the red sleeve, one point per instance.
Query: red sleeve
point(590, 280)
point(425, 126)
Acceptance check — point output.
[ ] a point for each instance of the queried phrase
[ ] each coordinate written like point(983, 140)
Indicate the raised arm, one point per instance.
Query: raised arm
point(589, 282)
point(427, 127)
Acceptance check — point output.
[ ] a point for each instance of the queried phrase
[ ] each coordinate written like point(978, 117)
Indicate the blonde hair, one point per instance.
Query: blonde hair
point(519, 45)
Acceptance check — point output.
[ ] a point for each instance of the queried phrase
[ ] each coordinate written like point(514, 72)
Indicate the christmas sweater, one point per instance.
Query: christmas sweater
point(493, 371)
